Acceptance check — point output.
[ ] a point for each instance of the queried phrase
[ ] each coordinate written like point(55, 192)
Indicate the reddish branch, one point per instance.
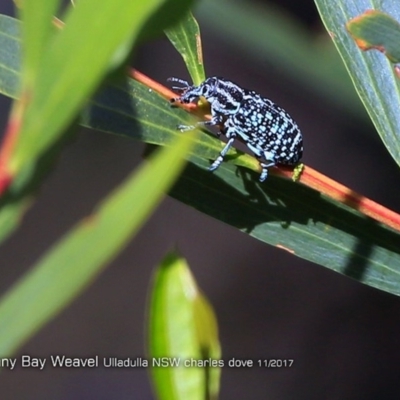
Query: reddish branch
point(308, 177)
point(9, 142)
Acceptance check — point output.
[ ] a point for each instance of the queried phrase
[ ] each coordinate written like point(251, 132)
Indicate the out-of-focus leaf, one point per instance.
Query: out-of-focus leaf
point(19, 197)
point(376, 30)
point(72, 67)
point(37, 30)
point(183, 333)
point(185, 36)
point(371, 72)
point(72, 263)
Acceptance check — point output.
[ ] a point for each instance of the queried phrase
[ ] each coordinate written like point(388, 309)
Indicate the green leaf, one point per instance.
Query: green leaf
point(185, 36)
point(169, 14)
point(72, 263)
point(264, 34)
point(182, 327)
point(10, 56)
point(371, 72)
point(72, 67)
point(377, 30)
point(297, 219)
point(37, 31)
point(278, 212)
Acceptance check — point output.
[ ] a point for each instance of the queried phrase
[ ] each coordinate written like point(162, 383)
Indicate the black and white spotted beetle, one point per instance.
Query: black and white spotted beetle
point(267, 129)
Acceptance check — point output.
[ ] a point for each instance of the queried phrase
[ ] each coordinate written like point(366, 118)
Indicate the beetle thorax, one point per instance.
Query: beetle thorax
point(224, 96)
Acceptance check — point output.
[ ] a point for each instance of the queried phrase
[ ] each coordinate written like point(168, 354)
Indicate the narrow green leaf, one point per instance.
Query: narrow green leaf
point(278, 212)
point(296, 219)
point(72, 263)
point(10, 56)
point(377, 30)
point(182, 328)
point(72, 67)
point(371, 72)
point(169, 14)
point(185, 36)
point(37, 30)
point(264, 34)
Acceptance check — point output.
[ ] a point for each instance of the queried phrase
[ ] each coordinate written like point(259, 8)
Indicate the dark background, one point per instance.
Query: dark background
point(343, 336)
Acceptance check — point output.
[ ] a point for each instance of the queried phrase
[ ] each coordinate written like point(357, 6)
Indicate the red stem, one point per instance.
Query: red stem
point(9, 140)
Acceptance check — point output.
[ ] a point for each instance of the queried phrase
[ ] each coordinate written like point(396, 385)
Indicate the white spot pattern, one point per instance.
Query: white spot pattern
point(267, 129)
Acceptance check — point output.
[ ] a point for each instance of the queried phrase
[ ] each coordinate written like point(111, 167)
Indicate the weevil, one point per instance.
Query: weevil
point(266, 129)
